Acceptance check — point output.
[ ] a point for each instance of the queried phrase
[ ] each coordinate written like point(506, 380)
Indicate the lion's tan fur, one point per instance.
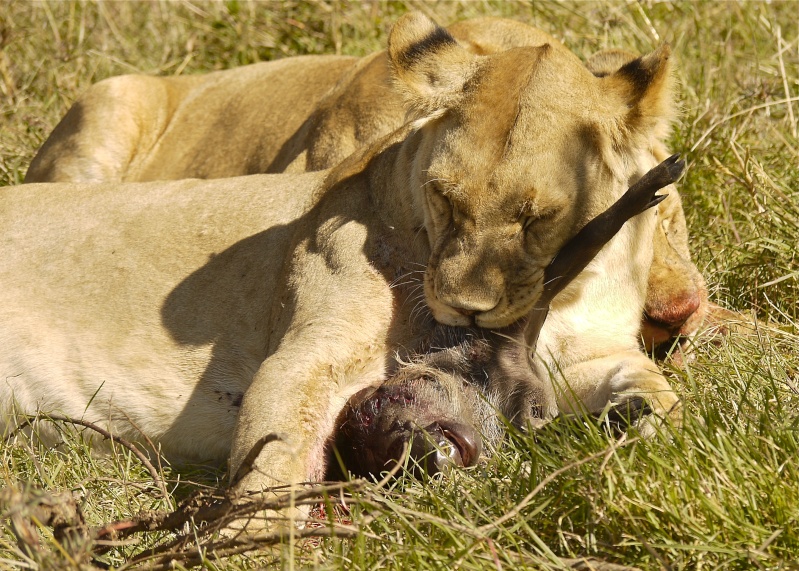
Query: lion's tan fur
point(155, 306)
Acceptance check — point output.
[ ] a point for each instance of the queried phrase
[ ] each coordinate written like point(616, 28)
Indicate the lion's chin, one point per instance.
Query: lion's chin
point(489, 321)
point(503, 315)
point(447, 316)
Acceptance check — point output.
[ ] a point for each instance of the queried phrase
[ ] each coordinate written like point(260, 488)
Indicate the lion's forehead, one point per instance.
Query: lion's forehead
point(508, 206)
point(544, 90)
point(524, 140)
point(513, 187)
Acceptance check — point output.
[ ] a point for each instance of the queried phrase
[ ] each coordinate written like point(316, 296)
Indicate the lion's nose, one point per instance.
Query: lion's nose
point(468, 289)
point(470, 306)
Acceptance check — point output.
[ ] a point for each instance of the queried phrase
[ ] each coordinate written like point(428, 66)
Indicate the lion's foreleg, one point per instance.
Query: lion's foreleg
point(336, 344)
point(288, 414)
point(293, 403)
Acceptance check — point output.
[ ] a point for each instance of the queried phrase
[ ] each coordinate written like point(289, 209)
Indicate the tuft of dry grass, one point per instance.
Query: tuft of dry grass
point(722, 493)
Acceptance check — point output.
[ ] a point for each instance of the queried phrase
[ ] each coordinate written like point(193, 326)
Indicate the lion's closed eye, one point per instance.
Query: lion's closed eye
point(526, 222)
point(536, 225)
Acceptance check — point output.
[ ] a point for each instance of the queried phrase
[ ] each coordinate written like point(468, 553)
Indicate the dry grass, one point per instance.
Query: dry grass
point(723, 493)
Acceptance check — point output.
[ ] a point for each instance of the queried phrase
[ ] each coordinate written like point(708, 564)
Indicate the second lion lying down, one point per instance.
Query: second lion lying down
point(237, 314)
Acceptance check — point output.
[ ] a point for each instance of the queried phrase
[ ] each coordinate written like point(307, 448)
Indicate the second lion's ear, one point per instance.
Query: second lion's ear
point(429, 67)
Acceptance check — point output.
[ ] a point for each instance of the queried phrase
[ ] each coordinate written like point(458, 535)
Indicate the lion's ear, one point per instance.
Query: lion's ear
point(645, 87)
point(430, 68)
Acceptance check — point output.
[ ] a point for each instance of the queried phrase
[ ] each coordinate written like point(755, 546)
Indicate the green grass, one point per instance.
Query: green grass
point(722, 493)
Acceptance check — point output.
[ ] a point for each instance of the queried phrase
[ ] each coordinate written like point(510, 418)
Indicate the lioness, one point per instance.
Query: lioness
point(309, 113)
point(257, 306)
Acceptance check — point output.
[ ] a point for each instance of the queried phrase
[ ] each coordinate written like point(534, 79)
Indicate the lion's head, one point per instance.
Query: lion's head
point(517, 151)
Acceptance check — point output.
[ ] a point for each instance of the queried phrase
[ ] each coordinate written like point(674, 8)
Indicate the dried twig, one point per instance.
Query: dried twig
point(220, 509)
point(209, 513)
point(204, 512)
